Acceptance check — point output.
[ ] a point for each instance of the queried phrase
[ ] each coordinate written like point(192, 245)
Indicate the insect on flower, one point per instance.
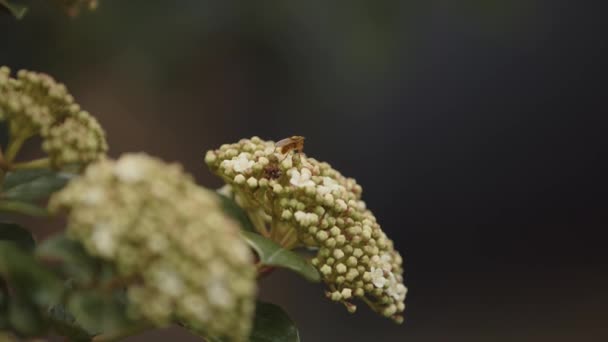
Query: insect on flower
point(293, 143)
point(272, 172)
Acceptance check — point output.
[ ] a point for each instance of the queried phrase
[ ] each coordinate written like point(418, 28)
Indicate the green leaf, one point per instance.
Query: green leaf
point(28, 278)
point(24, 317)
point(64, 323)
point(272, 324)
point(272, 254)
point(18, 11)
point(17, 234)
point(99, 311)
point(24, 208)
point(31, 185)
point(233, 210)
point(70, 257)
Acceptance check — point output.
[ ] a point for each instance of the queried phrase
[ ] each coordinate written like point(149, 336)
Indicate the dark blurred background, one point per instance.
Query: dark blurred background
point(477, 129)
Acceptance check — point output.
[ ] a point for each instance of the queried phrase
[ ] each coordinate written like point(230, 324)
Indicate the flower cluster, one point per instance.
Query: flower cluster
point(298, 200)
point(35, 104)
point(170, 241)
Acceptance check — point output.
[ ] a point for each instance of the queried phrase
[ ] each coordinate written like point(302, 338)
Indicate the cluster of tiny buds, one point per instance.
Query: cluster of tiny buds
point(324, 210)
point(35, 104)
point(155, 225)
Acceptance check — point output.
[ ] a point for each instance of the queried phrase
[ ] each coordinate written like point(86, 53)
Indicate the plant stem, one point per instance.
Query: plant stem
point(13, 148)
point(41, 163)
point(120, 334)
point(286, 238)
point(258, 224)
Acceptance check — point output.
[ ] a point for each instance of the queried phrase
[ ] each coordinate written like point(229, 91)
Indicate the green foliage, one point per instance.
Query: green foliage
point(99, 311)
point(22, 189)
point(82, 306)
point(28, 277)
point(233, 210)
point(70, 259)
point(272, 324)
point(95, 301)
point(24, 317)
point(34, 289)
point(65, 324)
point(16, 234)
point(271, 254)
point(31, 185)
point(24, 208)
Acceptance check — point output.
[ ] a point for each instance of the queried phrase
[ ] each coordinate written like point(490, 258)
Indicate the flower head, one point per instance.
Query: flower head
point(35, 104)
point(150, 220)
point(311, 204)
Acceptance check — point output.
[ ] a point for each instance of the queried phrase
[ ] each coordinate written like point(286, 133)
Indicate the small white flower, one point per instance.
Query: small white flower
point(396, 289)
point(93, 196)
point(301, 179)
point(323, 190)
point(385, 262)
point(329, 185)
point(378, 278)
point(242, 163)
point(169, 282)
point(103, 240)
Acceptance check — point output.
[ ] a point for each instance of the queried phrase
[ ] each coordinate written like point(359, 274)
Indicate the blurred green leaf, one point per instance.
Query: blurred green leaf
point(17, 10)
point(65, 324)
point(99, 311)
point(233, 210)
point(24, 208)
point(24, 317)
point(17, 234)
point(272, 324)
point(28, 278)
point(272, 254)
point(18, 177)
point(31, 185)
point(70, 257)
